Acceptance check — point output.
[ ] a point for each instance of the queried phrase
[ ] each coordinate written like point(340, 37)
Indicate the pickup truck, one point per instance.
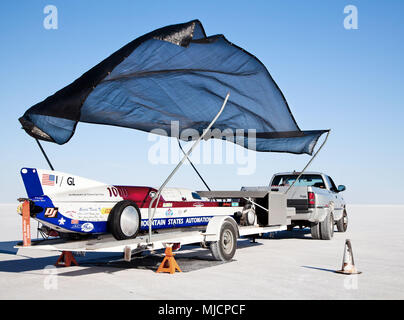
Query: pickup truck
point(318, 202)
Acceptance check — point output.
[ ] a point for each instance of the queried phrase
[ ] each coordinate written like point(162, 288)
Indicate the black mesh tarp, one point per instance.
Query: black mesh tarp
point(178, 74)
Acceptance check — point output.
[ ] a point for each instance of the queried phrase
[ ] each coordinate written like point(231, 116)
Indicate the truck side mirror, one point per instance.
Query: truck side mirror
point(341, 188)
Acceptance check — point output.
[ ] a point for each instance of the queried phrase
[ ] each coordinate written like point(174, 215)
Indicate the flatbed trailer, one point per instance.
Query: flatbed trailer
point(219, 235)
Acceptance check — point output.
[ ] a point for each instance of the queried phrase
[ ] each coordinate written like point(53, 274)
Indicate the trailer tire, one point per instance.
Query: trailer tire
point(124, 220)
point(225, 248)
point(327, 227)
point(342, 224)
point(315, 230)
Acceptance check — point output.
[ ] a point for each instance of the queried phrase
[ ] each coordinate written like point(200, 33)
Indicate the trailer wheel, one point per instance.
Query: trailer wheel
point(225, 248)
point(124, 220)
point(342, 224)
point(315, 230)
point(327, 227)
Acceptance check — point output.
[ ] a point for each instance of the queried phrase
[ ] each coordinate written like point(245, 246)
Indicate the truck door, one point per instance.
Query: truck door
point(336, 197)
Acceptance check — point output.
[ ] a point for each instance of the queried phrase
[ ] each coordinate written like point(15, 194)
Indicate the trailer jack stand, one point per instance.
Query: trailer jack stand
point(169, 264)
point(66, 259)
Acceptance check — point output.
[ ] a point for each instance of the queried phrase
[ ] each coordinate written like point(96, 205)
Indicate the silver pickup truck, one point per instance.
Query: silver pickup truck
point(318, 202)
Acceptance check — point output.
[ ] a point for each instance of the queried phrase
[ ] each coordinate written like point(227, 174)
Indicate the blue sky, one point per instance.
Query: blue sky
point(348, 80)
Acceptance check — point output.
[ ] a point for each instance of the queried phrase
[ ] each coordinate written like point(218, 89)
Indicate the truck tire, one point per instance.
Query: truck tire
point(342, 224)
point(225, 248)
point(124, 220)
point(327, 227)
point(315, 230)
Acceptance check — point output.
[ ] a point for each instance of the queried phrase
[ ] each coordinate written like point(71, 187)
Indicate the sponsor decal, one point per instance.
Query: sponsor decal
point(75, 221)
point(198, 204)
point(71, 212)
point(87, 227)
point(167, 205)
point(48, 179)
point(226, 204)
point(234, 204)
point(169, 213)
point(51, 212)
point(70, 181)
point(106, 210)
point(61, 221)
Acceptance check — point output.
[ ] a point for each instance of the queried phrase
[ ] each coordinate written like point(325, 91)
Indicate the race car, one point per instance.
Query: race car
point(70, 206)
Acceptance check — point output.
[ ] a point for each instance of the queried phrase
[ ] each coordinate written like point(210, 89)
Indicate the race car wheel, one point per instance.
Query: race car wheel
point(124, 220)
point(225, 248)
point(342, 224)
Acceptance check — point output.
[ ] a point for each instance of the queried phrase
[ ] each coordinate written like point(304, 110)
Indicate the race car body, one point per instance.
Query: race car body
point(70, 204)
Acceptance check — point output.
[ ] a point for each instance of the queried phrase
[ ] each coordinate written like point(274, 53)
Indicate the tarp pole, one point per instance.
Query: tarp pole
point(156, 198)
point(308, 163)
point(190, 162)
point(44, 154)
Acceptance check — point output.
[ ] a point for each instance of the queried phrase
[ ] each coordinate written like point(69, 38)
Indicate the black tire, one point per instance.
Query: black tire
point(327, 227)
point(342, 224)
point(225, 248)
point(315, 230)
point(124, 220)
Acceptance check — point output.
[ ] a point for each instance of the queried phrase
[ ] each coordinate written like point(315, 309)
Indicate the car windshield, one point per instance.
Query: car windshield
point(314, 180)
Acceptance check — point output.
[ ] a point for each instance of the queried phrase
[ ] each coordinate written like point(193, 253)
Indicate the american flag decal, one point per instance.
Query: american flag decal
point(51, 212)
point(48, 180)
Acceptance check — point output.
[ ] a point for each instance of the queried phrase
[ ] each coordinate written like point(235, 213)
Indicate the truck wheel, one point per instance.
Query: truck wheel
point(124, 220)
point(315, 230)
point(327, 227)
point(342, 224)
point(225, 248)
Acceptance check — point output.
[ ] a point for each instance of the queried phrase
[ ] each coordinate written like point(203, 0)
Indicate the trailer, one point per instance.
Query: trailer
point(268, 213)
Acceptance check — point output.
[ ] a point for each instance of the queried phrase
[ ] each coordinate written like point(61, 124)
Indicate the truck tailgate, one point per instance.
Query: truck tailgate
point(297, 197)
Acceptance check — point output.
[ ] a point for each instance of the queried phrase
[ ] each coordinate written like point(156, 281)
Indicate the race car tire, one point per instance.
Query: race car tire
point(327, 227)
point(225, 248)
point(315, 230)
point(342, 224)
point(124, 220)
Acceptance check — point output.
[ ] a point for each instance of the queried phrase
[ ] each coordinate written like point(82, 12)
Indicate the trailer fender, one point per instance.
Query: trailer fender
point(215, 224)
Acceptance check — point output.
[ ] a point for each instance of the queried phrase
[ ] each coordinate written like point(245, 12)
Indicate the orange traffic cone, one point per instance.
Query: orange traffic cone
point(66, 259)
point(348, 264)
point(169, 264)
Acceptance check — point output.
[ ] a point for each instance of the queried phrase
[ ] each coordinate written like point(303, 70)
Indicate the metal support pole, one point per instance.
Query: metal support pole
point(44, 154)
point(156, 198)
point(190, 162)
point(308, 163)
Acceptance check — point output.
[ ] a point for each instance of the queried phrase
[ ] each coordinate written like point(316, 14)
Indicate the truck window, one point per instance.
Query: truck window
point(332, 184)
point(314, 180)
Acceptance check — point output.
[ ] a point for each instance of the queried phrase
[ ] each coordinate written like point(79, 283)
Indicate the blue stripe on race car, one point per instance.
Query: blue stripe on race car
point(66, 223)
point(31, 182)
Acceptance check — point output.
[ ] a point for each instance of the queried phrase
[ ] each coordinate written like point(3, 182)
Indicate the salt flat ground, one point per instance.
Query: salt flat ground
point(284, 265)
